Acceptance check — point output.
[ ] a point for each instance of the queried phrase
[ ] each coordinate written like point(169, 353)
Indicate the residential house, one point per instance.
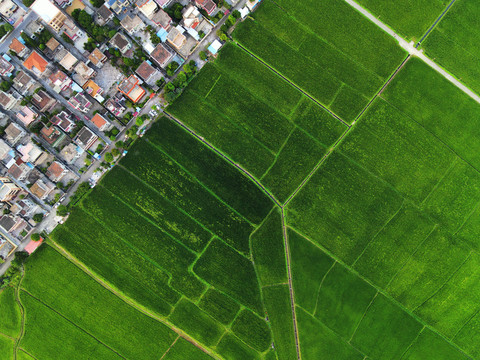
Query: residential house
point(23, 82)
point(23, 207)
point(194, 22)
point(49, 13)
point(251, 4)
point(13, 133)
point(56, 171)
point(85, 138)
point(5, 150)
point(162, 55)
point(117, 6)
point(97, 58)
point(19, 169)
point(100, 122)
point(30, 152)
point(94, 90)
point(8, 189)
point(163, 3)
point(208, 5)
point(147, 72)
point(103, 15)
point(18, 47)
point(26, 115)
point(67, 60)
point(71, 152)
point(52, 47)
point(64, 121)
point(36, 63)
point(71, 30)
point(176, 38)
point(116, 104)
point(147, 7)
point(132, 24)
point(83, 73)
point(59, 81)
point(34, 28)
point(41, 190)
point(131, 88)
point(42, 101)
point(120, 42)
point(6, 67)
point(52, 44)
point(10, 223)
point(52, 135)
point(8, 100)
point(64, 3)
point(161, 18)
point(80, 102)
point(7, 8)
point(214, 47)
point(7, 247)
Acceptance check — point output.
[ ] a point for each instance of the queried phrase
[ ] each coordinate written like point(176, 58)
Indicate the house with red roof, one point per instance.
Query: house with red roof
point(36, 63)
point(131, 88)
point(100, 122)
point(208, 5)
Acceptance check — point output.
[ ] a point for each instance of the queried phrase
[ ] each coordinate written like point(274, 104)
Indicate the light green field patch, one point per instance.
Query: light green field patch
point(10, 317)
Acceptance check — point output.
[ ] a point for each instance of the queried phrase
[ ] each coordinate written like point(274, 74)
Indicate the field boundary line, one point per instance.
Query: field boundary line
point(363, 316)
point(412, 343)
point(290, 285)
point(225, 157)
point(22, 309)
point(470, 214)
point(293, 84)
point(130, 301)
point(382, 291)
point(199, 182)
point(435, 23)
point(444, 283)
point(71, 322)
point(444, 175)
point(320, 286)
point(209, 91)
point(26, 352)
point(465, 324)
point(8, 336)
point(278, 153)
point(171, 345)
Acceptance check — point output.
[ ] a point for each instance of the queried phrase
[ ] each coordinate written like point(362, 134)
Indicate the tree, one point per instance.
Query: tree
point(5, 85)
point(139, 121)
point(108, 157)
point(172, 67)
point(37, 217)
point(35, 236)
point(236, 14)
point(160, 82)
point(203, 55)
point(62, 210)
point(115, 152)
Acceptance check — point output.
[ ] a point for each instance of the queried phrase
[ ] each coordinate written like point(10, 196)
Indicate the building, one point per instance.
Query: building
point(19, 170)
point(30, 152)
point(64, 3)
point(116, 104)
point(59, 81)
point(208, 5)
point(94, 90)
point(67, 60)
point(34, 28)
point(5, 67)
point(49, 13)
point(147, 72)
point(7, 8)
point(22, 82)
point(147, 7)
point(41, 190)
point(103, 15)
point(100, 122)
point(162, 55)
point(214, 47)
point(161, 18)
point(52, 135)
point(36, 63)
point(176, 38)
point(194, 22)
point(14, 133)
point(97, 58)
point(131, 88)
point(7, 100)
point(42, 101)
point(117, 6)
point(80, 102)
point(85, 138)
point(163, 3)
point(26, 115)
point(71, 30)
point(11, 223)
point(5, 150)
point(56, 171)
point(84, 72)
point(71, 152)
point(8, 189)
point(64, 121)
point(132, 24)
point(18, 47)
point(120, 42)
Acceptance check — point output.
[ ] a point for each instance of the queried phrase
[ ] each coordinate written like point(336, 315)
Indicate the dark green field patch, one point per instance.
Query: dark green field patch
point(386, 331)
point(277, 303)
point(219, 306)
point(268, 250)
point(389, 249)
point(221, 177)
point(309, 266)
point(342, 300)
point(319, 342)
point(352, 204)
point(230, 273)
point(427, 269)
point(231, 348)
point(196, 323)
point(10, 313)
point(253, 330)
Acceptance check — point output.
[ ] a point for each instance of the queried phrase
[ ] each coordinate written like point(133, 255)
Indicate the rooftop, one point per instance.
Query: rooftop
point(161, 55)
point(130, 23)
point(96, 56)
point(52, 44)
point(45, 9)
point(55, 170)
point(99, 121)
point(35, 60)
point(145, 70)
point(119, 41)
point(16, 46)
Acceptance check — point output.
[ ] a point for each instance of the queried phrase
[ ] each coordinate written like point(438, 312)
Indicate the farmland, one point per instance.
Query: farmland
point(282, 208)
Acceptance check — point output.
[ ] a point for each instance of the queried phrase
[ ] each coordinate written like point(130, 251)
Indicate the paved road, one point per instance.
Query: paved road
point(410, 48)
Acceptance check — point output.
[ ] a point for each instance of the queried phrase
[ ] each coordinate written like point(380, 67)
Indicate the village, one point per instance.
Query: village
point(80, 81)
